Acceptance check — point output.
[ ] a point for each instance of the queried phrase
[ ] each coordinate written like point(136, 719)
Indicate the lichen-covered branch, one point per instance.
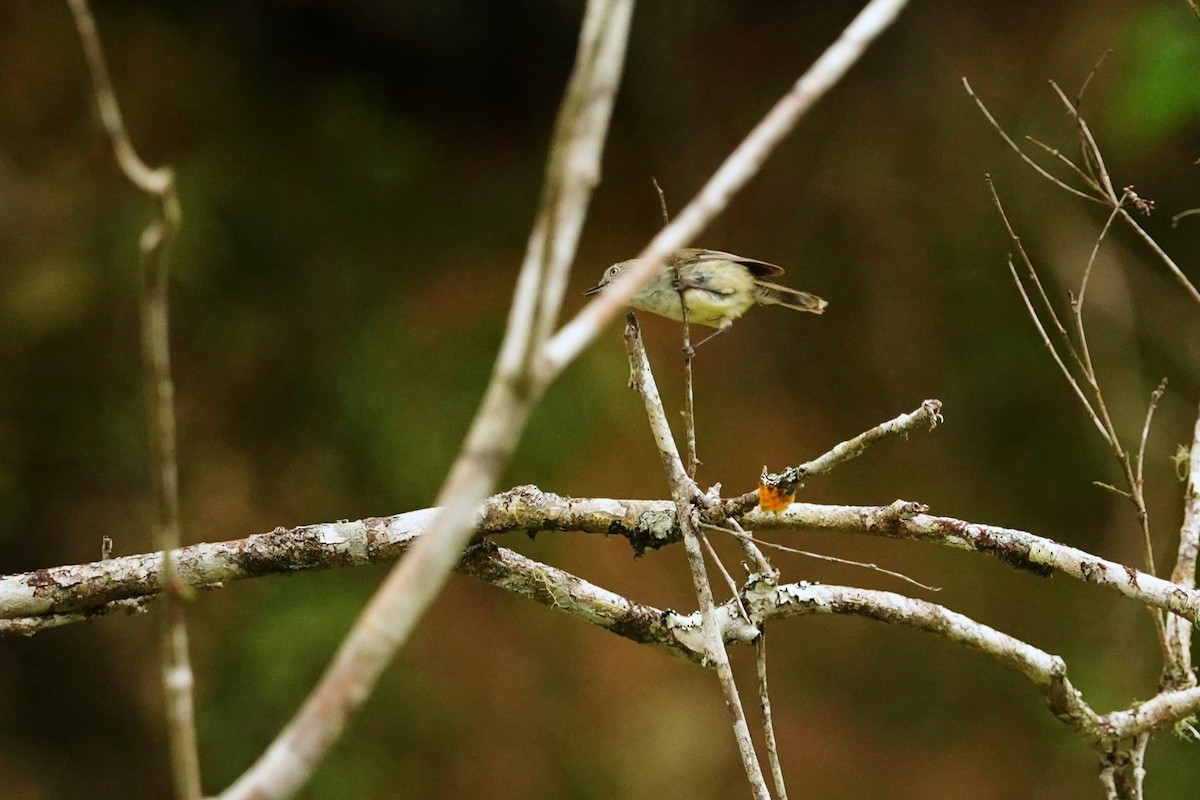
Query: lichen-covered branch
point(1180, 629)
point(1014, 547)
point(45, 598)
point(1047, 672)
point(645, 524)
point(786, 482)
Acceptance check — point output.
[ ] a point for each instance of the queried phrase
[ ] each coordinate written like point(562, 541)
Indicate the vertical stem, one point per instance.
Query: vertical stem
point(764, 699)
point(689, 406)
point(1179, 630)
point(155, 244)
point(685, 493)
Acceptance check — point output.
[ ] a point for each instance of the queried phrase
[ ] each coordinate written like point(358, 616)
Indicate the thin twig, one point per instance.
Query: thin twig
point(764, 701)
point(1100, 183)
point(1188, 213)
point(687, 496)
point(1017, 148)
point(1155, 396)
point(1091, 151)
point(823, 557)
point(1172, 267)
point(788, 481)
point(1087, 271)
point(689, 353)
point(662, 201)
point(1108, 487)
point(156, 240)
point(28, 626)
point(733, 588)
point(1088, 80)
point(750, 548)
point(1057, 360)
point(1071, 165)
point(1033, 276)
point(1088, 142)
point(1096, 405)
point(929, 416)
point(742, 164)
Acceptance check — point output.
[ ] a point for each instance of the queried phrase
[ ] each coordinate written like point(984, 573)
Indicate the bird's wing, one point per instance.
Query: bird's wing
point(759, 269)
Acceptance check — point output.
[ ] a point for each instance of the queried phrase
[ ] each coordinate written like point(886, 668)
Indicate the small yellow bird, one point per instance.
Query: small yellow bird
point(717, 288)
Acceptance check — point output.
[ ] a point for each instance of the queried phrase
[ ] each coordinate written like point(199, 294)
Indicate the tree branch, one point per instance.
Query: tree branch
point(572, 173)
point(741, 165)
point(1179, 629)
point(177, 676)
point(646, 524)
point(688, 500)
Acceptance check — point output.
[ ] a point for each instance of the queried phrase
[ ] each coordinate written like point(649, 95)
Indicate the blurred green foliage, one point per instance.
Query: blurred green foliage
point(358, 179)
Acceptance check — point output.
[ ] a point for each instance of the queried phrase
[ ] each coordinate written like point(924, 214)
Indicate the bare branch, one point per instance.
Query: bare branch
point(823, 557)
point(764, 703)
point(785, 484)
point(1088, 80)
point(28, 626)
point(1091, 151)
point(1046, 671)
point(1179, 630)
point(1071, 165)
point(1191, 212)
point(1172, 267)
point(1100, 184)
point(1017, 148)
point(1155, 396)
point(687, 496)
point(1028, 262)
point(177, 676)
point(750, 547)
point(739, 167)
point(1087, 273)
point(641, 380)
point(928, 416)
point(1016, 548)
point(1087, 405)
point(646, 524)
point(389, 618)
point(716, 559)
point(1161, 711)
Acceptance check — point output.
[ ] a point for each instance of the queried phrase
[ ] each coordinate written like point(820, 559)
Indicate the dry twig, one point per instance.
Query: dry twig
point(572, 173)
point(764, 702)
point(687, 498)
point(741, 165)
point(155, 245)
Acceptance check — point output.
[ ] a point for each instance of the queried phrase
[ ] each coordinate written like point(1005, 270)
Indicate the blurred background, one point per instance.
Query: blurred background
point(358, 179)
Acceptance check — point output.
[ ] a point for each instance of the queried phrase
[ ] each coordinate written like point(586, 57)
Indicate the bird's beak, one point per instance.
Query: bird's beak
point(594, 290)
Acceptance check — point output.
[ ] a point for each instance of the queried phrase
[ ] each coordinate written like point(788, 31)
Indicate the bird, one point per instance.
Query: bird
point(717, 288)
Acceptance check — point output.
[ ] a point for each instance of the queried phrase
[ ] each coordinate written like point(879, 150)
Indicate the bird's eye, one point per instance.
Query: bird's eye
point(612, 272)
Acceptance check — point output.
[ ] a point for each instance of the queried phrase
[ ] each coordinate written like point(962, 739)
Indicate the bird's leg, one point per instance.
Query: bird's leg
point(692, 354)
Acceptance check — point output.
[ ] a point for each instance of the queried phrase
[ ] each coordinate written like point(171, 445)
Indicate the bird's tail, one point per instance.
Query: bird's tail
point(774, 294)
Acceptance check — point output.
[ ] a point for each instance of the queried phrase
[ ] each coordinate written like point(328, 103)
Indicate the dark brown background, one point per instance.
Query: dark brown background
point(358, 179)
